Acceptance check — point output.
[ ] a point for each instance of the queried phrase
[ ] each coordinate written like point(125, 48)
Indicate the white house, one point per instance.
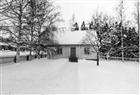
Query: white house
point(70, 45)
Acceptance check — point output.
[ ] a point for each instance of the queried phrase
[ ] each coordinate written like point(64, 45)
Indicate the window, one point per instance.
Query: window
point(59, 50)
point(86, 50)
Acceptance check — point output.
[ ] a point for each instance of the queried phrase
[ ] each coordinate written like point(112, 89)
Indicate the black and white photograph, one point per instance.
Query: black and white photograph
point(69, 47)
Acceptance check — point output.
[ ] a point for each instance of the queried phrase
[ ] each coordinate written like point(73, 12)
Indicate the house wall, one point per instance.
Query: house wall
point(66, 52)
point(82, 54)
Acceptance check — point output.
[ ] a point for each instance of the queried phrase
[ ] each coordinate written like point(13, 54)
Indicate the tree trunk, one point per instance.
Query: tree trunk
point(17, 57)
point(139, 26)
point(39, 46)
point(30, 55)
point(32, 5)
point(122, 45)
point(30, 49)
point(97, 58)
point(38, 52)
point(122, 31)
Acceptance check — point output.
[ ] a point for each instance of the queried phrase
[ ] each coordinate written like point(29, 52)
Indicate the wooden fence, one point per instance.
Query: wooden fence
point(10, 59)
point(120, 58)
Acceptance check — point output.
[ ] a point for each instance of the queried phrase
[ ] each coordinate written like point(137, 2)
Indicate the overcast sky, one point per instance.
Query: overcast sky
point(83, 9)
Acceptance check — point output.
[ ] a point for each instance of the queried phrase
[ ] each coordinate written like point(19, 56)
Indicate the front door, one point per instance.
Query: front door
point(73, 52)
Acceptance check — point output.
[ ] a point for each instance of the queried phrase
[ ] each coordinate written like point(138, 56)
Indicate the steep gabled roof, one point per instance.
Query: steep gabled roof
point(71, 37)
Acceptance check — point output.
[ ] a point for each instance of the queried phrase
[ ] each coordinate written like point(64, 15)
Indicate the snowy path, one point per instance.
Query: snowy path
point(62, 77)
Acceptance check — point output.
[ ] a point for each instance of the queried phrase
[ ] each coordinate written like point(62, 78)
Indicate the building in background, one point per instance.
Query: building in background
point(70, 45)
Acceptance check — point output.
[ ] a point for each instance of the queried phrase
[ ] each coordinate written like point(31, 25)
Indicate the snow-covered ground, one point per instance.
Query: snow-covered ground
point(11, 53)
point(47, 76)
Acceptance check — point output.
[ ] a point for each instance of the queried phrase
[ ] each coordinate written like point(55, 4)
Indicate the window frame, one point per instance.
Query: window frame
point(86, 50)
point(59, 51)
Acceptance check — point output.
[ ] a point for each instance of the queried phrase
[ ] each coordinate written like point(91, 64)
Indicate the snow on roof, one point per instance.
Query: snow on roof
point(71, 37)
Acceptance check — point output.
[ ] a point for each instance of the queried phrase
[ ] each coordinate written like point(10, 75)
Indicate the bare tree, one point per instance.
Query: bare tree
point(92, 40)
point(13, 11)
point(137, 17)
point(1, 16)
point(31, 23)
point(100, 33)
point(42, 22)
point(72, 21)
point(120, 9)
point(137, 13)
